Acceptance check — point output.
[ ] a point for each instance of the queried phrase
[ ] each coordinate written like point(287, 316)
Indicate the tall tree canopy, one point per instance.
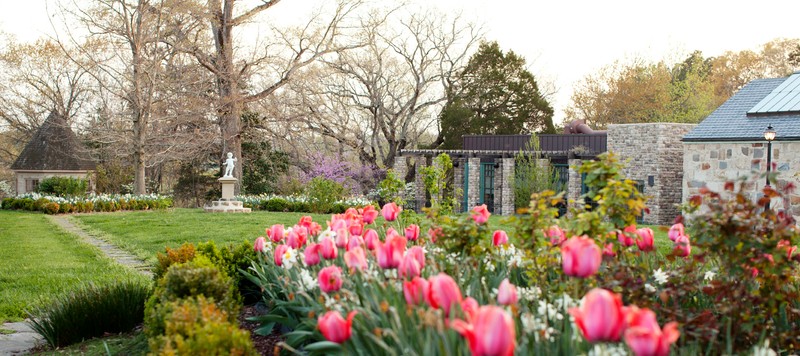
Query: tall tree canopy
point(687, 91)
point(496, 95)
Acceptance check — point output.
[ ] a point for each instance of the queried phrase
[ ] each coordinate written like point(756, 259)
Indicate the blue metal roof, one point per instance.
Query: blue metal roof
point(730, 121)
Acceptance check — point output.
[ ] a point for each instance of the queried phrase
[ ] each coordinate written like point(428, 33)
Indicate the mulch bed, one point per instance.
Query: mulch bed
point(266, 345)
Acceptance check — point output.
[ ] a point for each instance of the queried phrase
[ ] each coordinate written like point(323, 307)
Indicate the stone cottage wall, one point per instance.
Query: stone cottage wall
point(654, 153)
point(711, 164)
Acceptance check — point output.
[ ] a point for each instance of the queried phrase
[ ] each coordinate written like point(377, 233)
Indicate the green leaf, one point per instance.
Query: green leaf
point(325, 346)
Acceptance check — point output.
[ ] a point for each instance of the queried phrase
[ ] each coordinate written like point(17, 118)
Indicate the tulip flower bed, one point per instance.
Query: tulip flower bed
point(86, 204)
point(590, 283)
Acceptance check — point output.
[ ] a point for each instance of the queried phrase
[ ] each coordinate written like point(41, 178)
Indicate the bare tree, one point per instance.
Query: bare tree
point(379, 99)
point(241, 79)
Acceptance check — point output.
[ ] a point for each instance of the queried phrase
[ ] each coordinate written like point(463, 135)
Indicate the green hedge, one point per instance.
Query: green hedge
point(88, 204)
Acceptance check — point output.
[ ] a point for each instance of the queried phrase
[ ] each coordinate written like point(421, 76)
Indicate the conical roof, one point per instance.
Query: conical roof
point(54, 147)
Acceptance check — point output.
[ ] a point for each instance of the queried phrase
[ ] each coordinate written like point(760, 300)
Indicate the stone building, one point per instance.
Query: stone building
point(729, 144)
point(54, 150)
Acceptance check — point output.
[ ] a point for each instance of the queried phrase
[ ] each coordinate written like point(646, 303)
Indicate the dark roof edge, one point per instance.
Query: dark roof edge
point(737, 139)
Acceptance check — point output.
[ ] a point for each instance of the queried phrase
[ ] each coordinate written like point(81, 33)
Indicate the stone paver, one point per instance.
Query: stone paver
point(24, 338)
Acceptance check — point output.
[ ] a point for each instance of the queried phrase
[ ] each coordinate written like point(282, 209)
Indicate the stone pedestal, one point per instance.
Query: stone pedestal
point(227, 204)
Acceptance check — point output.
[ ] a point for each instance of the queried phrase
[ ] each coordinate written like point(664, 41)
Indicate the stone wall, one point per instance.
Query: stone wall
point(654, 154)
point(401, 170)
point(458, 183)
point(574, 182)
point(711, 164)
point(419, 184)
point(507, 189)
point(473, 194)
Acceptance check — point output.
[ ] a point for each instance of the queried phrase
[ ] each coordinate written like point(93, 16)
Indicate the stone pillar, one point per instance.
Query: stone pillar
point(474, 182)
point(507, 165)
point(228, 183)
point(438, 197)
point(419, 184)
point(458, 184)
point(499, 179)
point(401, 170)
point(574, 184)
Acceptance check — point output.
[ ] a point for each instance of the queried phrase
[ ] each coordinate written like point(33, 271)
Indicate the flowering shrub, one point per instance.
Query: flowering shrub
point(593, 283)
point(86, 204)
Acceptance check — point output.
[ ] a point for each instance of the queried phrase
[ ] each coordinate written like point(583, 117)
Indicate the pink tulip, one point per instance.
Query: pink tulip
point(507, 293)
point(470, 307)
point(355, 241)
point(557, 235)
point(609, 250)
point(368, 214)
point(370, 238)
point(682, 246)
point(434, 234)
point(260, 244)
point(305, 221)
point(580, 257)
point(499, 237)
point(328, 248)
point(412, 232)
point(390, 211)
point(645, 242)
point(279, 251)
point(675, 231)
point(356, 228)
point(490, 332)
point(293, 239)
point(342, 237)
point(415, 290)
point(275, 233)
point(356, 258)
point(335, 328)
point(480, 214)
point(790, 250)
point(311, 254)
point(409, 267)
point(600, 317)
point(443, 292)
point(302, 234)
point(330, 279)
point(390, 253)
point(419, 254)
point(645, 337)
point(314, 229)
point(625, 238)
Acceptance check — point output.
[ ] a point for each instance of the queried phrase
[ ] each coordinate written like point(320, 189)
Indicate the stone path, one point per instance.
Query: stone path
point(24, 338)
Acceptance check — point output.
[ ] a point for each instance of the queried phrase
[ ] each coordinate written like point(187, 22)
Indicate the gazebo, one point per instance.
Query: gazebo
point(54, 150)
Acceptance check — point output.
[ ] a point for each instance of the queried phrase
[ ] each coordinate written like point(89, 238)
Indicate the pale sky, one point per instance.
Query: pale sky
point(565, 40)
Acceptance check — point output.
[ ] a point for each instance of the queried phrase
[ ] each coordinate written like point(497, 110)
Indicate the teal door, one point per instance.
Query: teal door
point(486, 195)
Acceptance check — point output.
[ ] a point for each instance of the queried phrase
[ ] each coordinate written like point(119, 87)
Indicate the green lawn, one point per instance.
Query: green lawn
point(40, 260)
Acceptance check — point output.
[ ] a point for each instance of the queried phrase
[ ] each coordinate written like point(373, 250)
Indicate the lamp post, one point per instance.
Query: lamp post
point(769, 135)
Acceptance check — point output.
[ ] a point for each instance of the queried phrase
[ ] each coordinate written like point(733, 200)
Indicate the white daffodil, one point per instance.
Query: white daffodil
point(660, 276)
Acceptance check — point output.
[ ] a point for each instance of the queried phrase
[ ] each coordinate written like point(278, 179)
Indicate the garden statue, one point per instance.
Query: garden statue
point(229, 164)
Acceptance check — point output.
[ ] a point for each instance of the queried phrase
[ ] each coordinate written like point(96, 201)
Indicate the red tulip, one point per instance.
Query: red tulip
point(645, 242)
point(557, 235)
point(790, 250)
point(682, 246)
point(580, 257)
point(625, 238)
point(260, 244)
point(415, 290)
point(443, 292)
point(499, 237)
point(311, 254)
point(368, 214)
point(409, 267)
point(645, 337)
point(470, 306)
point(328, 248)
point(335, 328)
point(356, 258)
point(412, 232)
point(675, 231)
point(480, 214)
point(293, 239)
point(279, 251)
point(434, 234)
point(609, 250)
point(390, 253)
point(356, 228)
point(275, 233)
point(490, 332)
point(601, 317)
point(507, 293)
point(390, 211)
point(330, 279)
point(370, 238)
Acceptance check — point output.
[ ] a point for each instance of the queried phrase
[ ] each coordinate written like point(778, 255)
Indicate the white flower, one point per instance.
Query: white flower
point(608, 350)
point(307, 281)
point(709, 275)
point(289, 258)
point(764, 350)
point(327, 233)
point(649, 288)
point(660, 276)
